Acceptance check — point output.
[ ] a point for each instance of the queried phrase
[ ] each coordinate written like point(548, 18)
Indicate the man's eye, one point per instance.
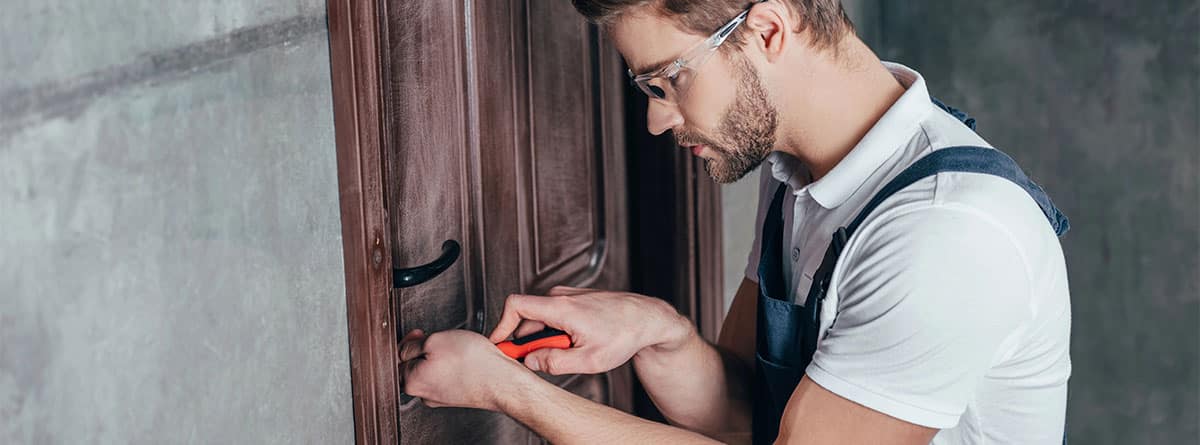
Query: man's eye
point(679, 78)
point(657, 91)
point(673, 79)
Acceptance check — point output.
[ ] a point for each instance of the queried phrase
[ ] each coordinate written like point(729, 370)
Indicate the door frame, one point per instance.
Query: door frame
point(675, 233)
point(686, 270)
point(355, 39)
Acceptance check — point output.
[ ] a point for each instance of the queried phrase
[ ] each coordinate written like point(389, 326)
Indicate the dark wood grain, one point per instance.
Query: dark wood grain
point(566, 190)
point(427, 149)
point(675, 223)
point(357, 94)
point(710, 273)
point(500, 124)
point(501, 136)
point(674, 213)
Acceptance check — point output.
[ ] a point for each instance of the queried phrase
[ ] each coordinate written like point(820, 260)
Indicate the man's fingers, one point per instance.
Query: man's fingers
point(415, 333)
point(406, 368)
point(566, 291)
point(412, 346)
point(517, 308)
point(431, 404)
point(529, 327)
point(558, 361)
point(509, 319)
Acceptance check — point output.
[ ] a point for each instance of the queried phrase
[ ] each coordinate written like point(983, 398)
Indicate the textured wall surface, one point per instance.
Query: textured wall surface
point(1098, 100)
point(739, 205)
point(170, 252)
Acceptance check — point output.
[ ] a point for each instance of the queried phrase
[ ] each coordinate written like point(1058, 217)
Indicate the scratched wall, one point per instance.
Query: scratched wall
point(170, 253)
point(1099, 100)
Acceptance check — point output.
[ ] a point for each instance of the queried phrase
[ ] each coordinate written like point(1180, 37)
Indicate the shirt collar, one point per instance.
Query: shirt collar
point(890, 132)
point(789, 170)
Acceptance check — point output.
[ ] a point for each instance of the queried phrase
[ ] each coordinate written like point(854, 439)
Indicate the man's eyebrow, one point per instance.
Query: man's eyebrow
point(643, 69)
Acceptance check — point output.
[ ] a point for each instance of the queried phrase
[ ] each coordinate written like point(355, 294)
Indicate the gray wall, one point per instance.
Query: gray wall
point(170, 249)
point(1099, 102)
point(739, 206)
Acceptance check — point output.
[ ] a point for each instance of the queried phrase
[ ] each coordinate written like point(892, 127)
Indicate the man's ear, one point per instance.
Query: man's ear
point(768, 29)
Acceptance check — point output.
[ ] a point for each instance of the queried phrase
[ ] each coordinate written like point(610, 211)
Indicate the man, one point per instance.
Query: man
point(945, 320)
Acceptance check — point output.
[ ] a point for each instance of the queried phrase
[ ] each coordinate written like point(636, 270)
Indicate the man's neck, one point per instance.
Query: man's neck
point(846, 97)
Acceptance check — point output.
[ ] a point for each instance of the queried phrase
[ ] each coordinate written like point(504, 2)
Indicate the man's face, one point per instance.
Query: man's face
point(724, 114)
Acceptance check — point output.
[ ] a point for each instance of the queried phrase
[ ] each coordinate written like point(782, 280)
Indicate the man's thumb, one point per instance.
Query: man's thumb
point(553, 361)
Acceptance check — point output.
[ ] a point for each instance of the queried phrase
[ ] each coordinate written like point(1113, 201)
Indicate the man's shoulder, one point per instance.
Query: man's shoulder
point(993, 198)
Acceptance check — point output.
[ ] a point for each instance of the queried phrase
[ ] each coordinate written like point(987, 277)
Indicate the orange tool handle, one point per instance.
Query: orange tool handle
point(520, 347)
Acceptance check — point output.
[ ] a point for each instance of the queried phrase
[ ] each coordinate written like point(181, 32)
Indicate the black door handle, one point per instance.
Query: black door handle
point(416, 275)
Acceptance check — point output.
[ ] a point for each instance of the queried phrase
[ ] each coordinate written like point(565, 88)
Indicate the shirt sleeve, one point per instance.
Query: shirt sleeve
point(766, 187)
point(927, 303)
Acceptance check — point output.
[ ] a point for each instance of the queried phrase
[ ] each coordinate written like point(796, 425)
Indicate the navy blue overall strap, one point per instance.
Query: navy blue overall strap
point(953, 159)
point(958, 114)
point(965, 159)
point(772, 247)
point(787, 333)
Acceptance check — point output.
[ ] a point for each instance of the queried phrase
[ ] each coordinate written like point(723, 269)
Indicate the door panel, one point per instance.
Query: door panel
point(503, 132)
point(426, 188)
point(559, 94)
point(499, 124)
point(569, 153)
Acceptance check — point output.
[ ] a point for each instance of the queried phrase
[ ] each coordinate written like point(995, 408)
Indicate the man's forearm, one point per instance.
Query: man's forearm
point(696, 386)
point(565, 418)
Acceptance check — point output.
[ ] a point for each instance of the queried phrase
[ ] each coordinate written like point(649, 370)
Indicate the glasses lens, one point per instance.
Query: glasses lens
point(670, 86)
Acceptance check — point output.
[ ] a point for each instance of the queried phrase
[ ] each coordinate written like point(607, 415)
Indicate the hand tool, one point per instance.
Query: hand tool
point(518, 348)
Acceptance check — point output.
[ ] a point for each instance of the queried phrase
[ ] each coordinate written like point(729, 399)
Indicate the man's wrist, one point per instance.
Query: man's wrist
point(672, 333)
point(515, 395)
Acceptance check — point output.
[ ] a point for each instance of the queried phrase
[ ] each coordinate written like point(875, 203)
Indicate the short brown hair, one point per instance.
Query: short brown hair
point(825, 19)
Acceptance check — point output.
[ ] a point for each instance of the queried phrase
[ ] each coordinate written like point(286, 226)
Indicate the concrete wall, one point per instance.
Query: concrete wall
point(1098, 100)
point(170, 253)
point(739, 205)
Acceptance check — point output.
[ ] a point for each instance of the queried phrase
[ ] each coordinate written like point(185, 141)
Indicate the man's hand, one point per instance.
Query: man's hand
point(606, 328)
point(457, 368)
point(464, 369)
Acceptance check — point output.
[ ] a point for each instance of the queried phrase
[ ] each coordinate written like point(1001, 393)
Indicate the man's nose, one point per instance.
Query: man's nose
point(661, 116)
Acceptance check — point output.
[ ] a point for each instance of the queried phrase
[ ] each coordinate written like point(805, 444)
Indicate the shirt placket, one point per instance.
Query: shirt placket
point(796, 256)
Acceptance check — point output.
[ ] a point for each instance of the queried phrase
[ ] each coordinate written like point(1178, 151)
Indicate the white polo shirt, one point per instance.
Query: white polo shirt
point(949, 307)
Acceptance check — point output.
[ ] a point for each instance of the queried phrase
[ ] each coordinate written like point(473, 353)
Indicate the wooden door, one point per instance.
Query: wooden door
point(497, 124)
point(506, 137)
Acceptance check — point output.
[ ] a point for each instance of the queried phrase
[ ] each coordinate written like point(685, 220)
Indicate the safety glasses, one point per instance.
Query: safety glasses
point(669, 82)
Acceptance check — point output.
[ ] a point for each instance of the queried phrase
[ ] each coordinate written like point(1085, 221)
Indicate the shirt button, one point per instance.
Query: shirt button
point(795, 254)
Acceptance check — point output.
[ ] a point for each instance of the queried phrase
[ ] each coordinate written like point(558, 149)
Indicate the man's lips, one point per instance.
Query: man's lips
point(696, 149)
